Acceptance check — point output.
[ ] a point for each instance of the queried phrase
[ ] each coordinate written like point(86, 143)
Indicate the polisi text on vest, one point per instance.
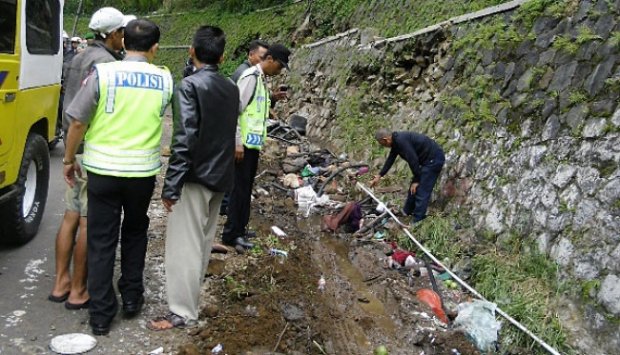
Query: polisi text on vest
point(139, 80)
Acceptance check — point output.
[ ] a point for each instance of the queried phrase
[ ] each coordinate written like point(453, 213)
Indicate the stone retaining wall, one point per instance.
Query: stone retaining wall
point(526, 106)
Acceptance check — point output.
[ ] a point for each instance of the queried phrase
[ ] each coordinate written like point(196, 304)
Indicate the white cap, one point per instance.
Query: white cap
point(107, 20)
point(76, 39)
point(65, 35)
point(128, 18)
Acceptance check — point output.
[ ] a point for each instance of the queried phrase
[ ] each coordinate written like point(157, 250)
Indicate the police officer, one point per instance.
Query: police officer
point(251, 134)
point(121, 103)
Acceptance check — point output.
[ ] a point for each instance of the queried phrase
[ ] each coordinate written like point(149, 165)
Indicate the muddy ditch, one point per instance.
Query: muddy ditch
point(266, 302)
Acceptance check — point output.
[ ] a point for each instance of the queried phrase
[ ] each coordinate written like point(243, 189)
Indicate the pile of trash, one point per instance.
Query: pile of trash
point(321, 182)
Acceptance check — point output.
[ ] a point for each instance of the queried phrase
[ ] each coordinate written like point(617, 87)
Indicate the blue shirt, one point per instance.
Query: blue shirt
point(415, 148)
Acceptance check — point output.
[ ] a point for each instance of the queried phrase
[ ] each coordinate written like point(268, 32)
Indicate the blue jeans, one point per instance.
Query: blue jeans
point(417, 203)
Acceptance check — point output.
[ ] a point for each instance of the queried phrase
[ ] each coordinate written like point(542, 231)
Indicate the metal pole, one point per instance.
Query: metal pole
point(77, 16)
point(463, 283)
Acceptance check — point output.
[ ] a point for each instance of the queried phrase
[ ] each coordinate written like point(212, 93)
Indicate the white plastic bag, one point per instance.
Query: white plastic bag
point(477, 320)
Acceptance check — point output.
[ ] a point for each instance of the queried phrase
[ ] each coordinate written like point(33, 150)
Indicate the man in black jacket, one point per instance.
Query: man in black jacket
point(206, 107)
point(425, 158)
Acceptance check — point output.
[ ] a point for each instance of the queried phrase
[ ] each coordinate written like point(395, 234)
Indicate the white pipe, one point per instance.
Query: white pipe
point(463, 283)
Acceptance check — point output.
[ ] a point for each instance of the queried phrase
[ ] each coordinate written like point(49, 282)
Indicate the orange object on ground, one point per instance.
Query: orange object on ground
point(431, 298)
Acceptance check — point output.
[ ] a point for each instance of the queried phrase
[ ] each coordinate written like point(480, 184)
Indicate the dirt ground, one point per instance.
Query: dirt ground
point(259, 303)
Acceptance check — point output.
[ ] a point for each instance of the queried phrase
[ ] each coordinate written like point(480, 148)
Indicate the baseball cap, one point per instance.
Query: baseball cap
point(128, 18)
point(107, 20)
point(76, 39)
point(280, 53)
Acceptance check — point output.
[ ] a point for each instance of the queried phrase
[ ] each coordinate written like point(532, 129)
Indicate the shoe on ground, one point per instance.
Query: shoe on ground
point(250, 234)
point(100, 328)
point(241, 242)
point(131, 308)
point(76, 306)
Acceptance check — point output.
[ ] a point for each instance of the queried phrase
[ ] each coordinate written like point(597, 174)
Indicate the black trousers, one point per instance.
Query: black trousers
point(241, 196)
point(108, 197)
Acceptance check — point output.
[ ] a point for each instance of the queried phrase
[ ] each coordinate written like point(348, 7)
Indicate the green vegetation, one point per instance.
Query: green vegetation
point(565, 44)
point(236, 290)
point(523, 285)
point(242, 25)
point(589, 287)
point(341, 15)
point(577, 97)
point(437, 234)
point(142, 6)
point(614, 39)
point(522, 282)
point(240, 30)
point(586, 34)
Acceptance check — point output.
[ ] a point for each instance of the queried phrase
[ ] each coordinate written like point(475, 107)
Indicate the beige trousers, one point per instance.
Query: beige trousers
point(189, 236)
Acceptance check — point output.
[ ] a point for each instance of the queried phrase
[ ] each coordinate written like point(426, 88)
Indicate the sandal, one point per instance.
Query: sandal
point(174, 321)
point(58, 299)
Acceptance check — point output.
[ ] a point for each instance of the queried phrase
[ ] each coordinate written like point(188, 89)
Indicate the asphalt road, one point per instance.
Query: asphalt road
point(28, 321)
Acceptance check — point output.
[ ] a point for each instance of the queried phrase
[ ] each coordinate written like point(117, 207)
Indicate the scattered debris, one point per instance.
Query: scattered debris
point(218, 349)
point(278, 252)
point(157, 351)
point(432, 299)
point(278, 232)
point(477, 320)
point(322, 284)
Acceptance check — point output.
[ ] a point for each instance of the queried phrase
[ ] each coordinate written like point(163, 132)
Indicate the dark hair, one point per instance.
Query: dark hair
point(382, 133)
point(209, 43)
point(255, 44)
point(141, 35)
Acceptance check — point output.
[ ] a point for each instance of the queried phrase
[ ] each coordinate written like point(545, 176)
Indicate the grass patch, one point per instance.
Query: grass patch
point(524, 286)
point(586, 34)
point(437, 234)
point(521, 281)
point(614, 39)
point(577, 97)
point(236, 290)
point(565, 44)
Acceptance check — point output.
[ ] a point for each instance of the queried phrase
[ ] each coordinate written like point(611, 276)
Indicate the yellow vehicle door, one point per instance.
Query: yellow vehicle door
point(9, 73)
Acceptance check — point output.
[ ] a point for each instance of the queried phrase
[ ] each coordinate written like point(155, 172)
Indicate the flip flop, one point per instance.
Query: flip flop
point(174, 320)
point(58, 299)
point(75, 306)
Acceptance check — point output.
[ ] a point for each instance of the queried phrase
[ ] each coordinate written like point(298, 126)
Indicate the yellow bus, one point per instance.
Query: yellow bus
point(30, 76)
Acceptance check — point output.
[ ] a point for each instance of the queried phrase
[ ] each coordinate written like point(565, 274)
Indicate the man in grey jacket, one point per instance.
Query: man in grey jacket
point(108, 24)
point(200, 170)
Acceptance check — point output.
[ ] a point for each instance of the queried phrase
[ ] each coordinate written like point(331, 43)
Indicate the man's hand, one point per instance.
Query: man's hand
point(375, 181)
point(239, 153)
point(414, 187)
point(279, 95)
point(69, 172)
point(168, 203)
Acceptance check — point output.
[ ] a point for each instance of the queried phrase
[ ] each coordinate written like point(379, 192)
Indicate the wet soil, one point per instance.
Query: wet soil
point(259, 303)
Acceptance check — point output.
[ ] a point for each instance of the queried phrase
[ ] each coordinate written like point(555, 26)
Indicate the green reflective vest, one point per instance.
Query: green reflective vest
point(124, 135)
point(253, 120)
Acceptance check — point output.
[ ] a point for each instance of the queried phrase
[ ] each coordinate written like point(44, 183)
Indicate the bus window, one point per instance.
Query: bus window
point(42, 27)
point(7, 25)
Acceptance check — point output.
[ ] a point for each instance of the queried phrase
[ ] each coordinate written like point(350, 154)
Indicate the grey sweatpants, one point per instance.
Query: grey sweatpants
point(189, 236)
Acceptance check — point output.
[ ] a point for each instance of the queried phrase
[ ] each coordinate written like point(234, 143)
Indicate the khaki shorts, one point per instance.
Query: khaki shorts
point(75, 197)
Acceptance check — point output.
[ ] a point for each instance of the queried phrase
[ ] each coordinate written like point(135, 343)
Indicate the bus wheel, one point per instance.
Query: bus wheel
point(22, 214)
